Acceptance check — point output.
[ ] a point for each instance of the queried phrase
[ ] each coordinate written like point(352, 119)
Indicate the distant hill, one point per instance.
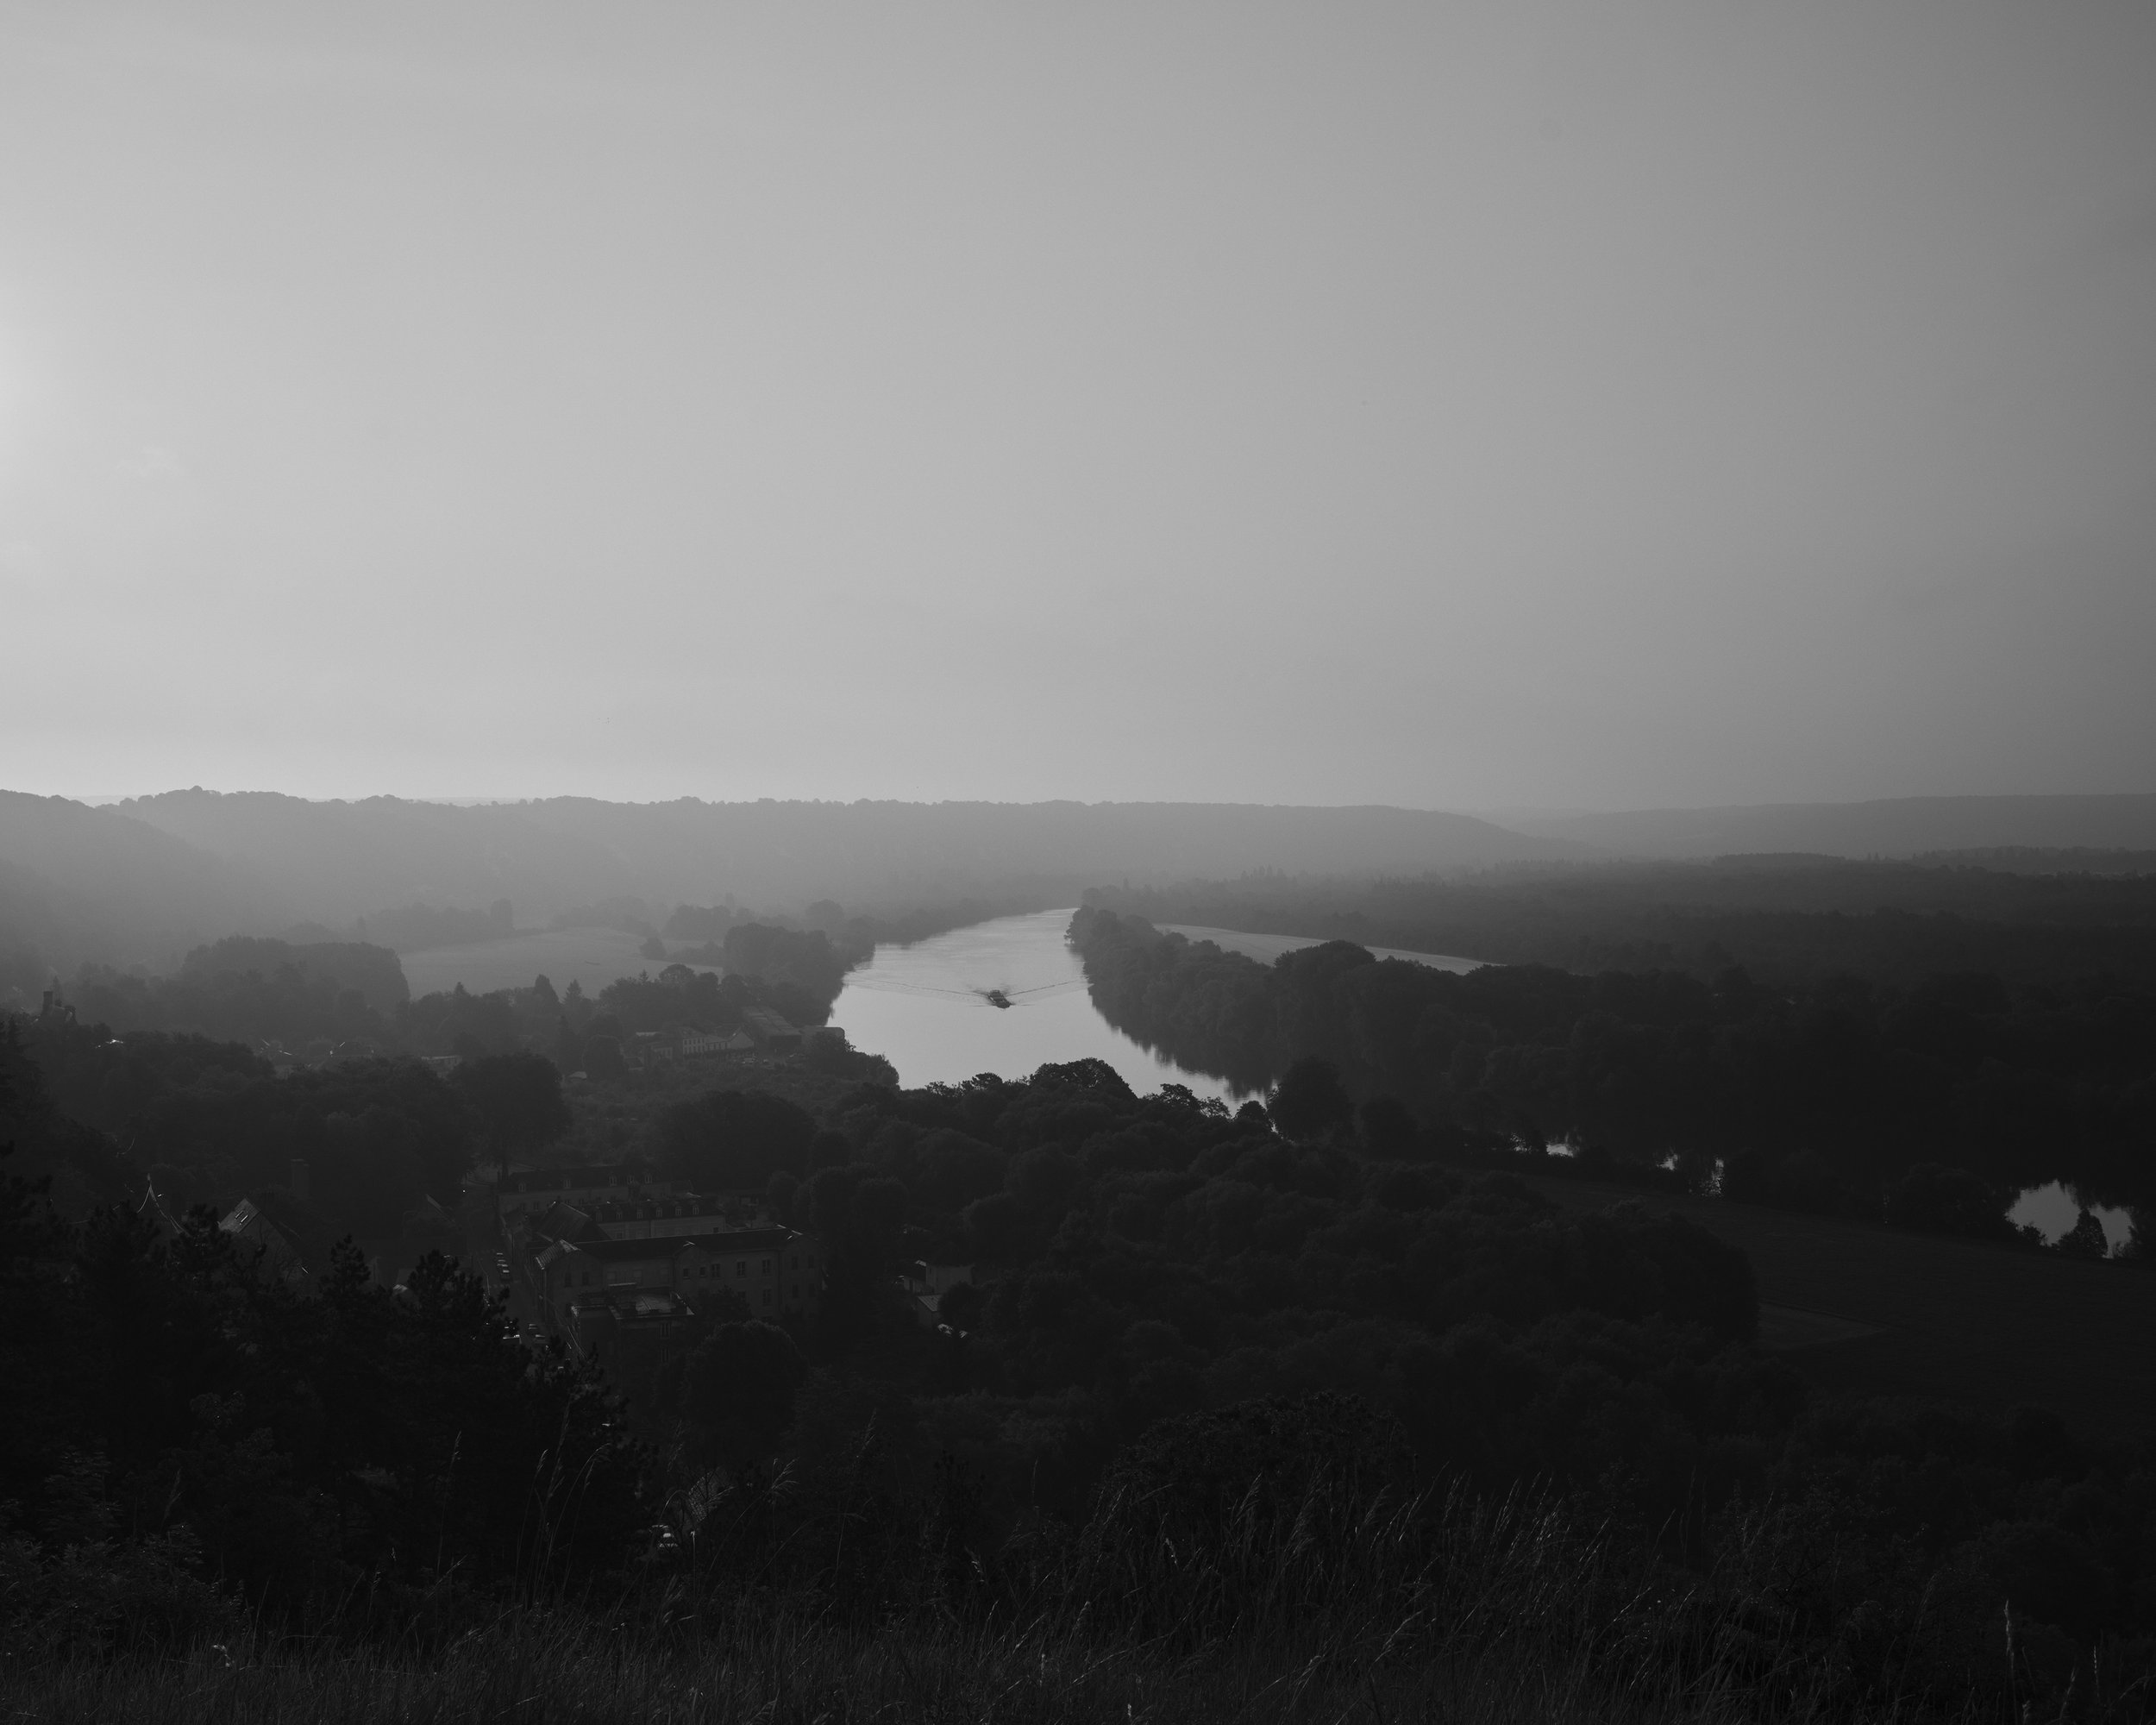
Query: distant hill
point(148, 880)
point(2029, 859)
point(338, 861)
point(1899, 826)
point(145, 881)
point(81, 884)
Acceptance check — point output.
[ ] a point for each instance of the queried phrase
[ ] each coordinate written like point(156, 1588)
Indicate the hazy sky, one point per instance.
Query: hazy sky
point(1450, 405)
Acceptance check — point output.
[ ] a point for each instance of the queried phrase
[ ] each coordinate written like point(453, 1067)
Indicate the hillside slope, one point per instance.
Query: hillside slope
point(1898, 826)
point(81, 884)
point(340, 860)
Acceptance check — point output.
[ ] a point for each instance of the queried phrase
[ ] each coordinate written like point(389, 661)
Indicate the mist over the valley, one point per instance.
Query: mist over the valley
point(1191, 863)
point(141, 882)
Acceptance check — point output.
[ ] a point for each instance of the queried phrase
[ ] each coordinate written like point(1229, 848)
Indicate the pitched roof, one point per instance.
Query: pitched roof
point(563, 1221)
point(672, 1246)
point(536, 1180)
point(245, 1222)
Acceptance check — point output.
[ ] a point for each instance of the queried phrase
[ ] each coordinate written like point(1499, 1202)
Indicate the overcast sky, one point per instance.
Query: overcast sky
point(1456, 406)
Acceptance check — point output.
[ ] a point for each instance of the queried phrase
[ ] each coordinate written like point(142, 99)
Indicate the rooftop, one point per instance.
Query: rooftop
point(667, 1246)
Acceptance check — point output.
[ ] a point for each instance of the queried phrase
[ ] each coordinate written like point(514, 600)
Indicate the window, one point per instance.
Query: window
point(766, 1267)
point(741, 1266)
point(767, 1296)
point(797, 1261)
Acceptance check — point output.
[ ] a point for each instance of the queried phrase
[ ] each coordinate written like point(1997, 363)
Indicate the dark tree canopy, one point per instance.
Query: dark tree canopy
point(518, 1100)
point(1310, 1101)
point(736, 1392)
point(734, 1141)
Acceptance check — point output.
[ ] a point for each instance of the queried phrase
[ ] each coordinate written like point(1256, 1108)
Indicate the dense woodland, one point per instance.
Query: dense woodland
point(1784, 920)
point(1821, 1093)
point(1206, 1343)
point(1308, 1369)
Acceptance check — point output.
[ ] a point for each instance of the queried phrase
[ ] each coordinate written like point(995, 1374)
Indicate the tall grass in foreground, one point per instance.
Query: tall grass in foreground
point(538, 1671)
point(1317, 1603)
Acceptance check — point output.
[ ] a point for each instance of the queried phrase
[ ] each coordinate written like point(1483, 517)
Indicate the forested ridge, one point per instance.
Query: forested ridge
point(1839, 1087)
point(1783, 919)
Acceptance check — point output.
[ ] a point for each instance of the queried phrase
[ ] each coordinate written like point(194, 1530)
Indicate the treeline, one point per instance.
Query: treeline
point(848, 939)
point(247, 990)
point(1784, 919)
point(191, 1121)
point(1832, 1088)
point(323, 997)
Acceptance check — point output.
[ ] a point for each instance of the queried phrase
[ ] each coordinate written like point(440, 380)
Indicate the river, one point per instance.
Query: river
point(924, 1008)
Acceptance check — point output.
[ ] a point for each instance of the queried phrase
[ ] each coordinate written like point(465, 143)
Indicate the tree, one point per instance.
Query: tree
point(961, 1307)
point(738, 1390)
point(517, 1098)
point(734, 1141)
point(1310, 1101)
point(1388, 1130)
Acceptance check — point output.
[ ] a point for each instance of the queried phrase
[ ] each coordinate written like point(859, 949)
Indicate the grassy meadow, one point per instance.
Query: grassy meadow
point(1879, 1311)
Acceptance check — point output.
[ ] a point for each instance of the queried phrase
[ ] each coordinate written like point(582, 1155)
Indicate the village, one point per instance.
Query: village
point(614, 1263)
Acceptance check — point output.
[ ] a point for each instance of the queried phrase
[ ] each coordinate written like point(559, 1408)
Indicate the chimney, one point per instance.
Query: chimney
point(298, 1182)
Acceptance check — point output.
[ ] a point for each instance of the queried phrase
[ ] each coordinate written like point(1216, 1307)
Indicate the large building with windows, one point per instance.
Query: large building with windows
point(778, 1273)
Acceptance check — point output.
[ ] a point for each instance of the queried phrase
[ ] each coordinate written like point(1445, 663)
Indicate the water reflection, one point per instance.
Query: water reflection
point(924, 1008)
point(2054, 1210)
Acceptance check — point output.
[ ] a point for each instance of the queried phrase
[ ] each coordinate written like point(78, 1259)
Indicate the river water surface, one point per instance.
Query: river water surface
point(923, 1007)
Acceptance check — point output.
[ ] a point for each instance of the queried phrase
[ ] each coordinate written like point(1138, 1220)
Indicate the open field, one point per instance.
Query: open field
point(594, 957)
point(1867, 1308)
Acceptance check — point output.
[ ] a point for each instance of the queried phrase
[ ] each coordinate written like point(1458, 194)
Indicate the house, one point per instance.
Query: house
point(534, 1189)
point(701, 1042)
point(926, 1284)
point(563, 1221)
point(629, 1334)
point(768, 1031)
point(777, 1271)
point(249, 1228)
point(685, 1212)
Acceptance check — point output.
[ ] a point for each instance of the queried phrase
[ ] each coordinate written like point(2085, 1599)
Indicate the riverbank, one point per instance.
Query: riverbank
point(1265, 947)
